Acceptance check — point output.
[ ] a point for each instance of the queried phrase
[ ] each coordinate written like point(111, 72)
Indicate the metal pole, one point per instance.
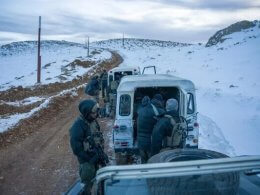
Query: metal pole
point(39, 53)
point(123, 39)
point(88, 46)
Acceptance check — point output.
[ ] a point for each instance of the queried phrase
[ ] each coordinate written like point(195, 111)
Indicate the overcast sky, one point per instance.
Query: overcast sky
point(188, 21)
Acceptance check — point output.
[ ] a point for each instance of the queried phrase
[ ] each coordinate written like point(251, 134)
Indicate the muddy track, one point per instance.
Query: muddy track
point(37, 158)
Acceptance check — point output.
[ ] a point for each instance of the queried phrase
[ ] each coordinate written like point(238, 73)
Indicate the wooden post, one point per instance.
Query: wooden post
point(123, 39)
point(88, 46)
point(39, 53)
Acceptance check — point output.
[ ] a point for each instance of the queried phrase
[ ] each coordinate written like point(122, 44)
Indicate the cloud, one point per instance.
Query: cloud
point(184, 21)
point(212, 4)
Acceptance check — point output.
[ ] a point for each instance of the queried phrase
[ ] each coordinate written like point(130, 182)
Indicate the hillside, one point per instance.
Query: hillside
point(226, 76)
point(61, 62)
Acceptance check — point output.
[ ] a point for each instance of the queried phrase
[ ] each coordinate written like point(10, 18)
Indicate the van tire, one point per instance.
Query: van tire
point(192, 184)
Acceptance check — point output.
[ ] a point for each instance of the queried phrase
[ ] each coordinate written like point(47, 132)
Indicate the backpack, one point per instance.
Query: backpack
point(178, 134)
point(89, 89)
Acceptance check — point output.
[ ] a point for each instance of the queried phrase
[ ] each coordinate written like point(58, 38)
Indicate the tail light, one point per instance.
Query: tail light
point(196, 125)
point(195, 141)
point(116, 127)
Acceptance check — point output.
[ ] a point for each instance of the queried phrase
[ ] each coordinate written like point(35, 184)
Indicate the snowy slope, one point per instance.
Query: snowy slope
point(227, 79)
point(61, 62)
point(225, 75)
point(18, 62)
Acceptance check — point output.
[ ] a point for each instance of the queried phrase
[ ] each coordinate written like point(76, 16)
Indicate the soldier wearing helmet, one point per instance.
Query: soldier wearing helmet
point(84, 127)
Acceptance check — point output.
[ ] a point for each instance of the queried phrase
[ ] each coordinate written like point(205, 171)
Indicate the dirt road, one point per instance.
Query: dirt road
point(42, 162)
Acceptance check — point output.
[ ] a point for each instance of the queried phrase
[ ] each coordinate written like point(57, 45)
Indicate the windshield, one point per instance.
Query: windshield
point(221, 183)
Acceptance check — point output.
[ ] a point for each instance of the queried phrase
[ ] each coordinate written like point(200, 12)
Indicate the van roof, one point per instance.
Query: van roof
point(130, 83)
point(123, 68)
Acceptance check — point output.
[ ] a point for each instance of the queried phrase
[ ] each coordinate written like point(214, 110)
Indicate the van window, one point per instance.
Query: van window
point(125, 105)
point(190, 109)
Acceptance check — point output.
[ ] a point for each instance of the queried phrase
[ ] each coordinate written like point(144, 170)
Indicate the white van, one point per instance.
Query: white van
point(130, 92)
point(113, 79)
point(118, 72)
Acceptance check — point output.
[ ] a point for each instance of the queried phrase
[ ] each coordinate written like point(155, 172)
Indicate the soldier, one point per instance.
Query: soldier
point(146, 119)
point(85, 139)
point(112, 95)
point(164, 127)
point(92, 88)
point(103, 78)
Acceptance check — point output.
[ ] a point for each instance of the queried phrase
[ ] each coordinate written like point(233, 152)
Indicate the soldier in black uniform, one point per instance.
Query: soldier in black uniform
point(85, 135)
point(165, 126)
point(92, 88)
point(147, 118)
point(103, 78)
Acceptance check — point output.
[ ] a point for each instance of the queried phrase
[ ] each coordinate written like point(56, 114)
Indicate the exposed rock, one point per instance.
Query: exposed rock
point(218, 37)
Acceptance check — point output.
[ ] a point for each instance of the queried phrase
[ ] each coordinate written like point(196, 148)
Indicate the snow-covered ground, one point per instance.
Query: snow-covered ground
point(227, 81)
point(226, 77)
point(18, 62)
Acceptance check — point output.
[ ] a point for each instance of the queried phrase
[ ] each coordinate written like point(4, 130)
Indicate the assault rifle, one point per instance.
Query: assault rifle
point(103, 158)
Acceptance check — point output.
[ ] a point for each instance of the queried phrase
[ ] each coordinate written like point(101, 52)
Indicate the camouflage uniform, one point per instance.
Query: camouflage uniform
point(87, 170)
point(112, 97)
point(84, 128)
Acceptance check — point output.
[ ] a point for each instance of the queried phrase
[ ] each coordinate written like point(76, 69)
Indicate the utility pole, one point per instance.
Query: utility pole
point(123, 39)
point(88, 46)
point(39, 53)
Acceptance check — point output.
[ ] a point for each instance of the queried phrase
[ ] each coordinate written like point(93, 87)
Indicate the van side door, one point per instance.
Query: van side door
point(183, 103)
point(193, 126)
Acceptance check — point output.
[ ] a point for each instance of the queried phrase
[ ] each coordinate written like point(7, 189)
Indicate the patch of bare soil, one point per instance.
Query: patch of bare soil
point(35, 156)
point(6, 109)
point(85, 64)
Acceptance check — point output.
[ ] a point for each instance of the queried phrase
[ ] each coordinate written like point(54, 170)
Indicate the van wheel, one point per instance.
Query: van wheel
point(221, 183)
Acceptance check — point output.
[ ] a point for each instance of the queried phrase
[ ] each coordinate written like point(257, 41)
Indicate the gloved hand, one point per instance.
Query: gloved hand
point(94, 159)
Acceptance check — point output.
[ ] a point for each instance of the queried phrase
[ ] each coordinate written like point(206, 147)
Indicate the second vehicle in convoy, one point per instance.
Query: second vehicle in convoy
point(131, 91)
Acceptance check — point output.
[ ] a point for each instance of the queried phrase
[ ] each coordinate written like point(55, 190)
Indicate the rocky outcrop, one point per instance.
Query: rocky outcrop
point(219, 36)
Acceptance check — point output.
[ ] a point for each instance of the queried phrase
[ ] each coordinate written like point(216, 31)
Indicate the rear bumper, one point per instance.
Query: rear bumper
point(193, 146)
point(127, 150)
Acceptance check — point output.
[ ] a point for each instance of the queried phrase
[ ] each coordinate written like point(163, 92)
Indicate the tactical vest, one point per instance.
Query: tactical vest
point(114, 85)
point(95, 134)
point(179, 130)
